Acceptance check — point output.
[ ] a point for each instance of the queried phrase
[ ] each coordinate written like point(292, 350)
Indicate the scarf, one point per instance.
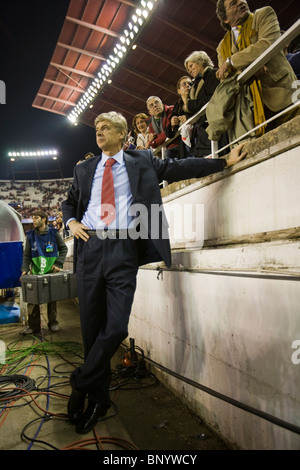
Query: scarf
point(157, 124)
point(255, 87)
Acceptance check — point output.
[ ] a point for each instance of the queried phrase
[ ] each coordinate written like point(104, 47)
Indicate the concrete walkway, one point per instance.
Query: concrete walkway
point(144, 416)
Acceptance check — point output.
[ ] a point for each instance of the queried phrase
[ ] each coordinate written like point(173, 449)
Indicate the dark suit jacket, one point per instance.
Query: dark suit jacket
point(144, 173)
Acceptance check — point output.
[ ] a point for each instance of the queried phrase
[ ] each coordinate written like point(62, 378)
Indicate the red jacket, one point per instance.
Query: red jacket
point(159, 140)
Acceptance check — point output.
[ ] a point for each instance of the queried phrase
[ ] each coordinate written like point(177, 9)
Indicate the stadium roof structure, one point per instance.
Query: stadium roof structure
point(95, 69)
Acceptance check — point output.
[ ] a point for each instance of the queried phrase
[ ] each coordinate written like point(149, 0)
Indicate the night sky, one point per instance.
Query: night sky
point(29, 31)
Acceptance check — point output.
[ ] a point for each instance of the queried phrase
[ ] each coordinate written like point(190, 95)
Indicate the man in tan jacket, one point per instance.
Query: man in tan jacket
point(272, 87)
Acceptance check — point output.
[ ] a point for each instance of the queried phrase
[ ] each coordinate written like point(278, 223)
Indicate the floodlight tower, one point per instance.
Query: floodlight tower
point(34, 156)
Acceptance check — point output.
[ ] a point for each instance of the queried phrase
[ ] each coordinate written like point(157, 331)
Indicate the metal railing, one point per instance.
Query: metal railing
point(243, 77)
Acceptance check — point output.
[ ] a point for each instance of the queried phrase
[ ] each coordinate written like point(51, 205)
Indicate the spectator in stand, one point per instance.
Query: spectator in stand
point(140, 126)
point(247, 36)
point(60, 224)
point(200, 66)
point(179, 117)
point(88, 155)
point(130, 143)
point(160, 118)
point(132, 136)
point(293, 55)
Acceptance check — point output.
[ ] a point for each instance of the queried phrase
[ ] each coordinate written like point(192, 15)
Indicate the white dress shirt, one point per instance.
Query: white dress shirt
point(123, 196)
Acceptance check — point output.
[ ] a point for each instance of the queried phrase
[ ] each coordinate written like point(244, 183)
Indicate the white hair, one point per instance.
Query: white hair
point(200, 57)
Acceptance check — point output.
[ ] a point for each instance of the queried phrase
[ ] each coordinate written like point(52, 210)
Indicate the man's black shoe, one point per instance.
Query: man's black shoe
point(90, 417)
point(75, 403)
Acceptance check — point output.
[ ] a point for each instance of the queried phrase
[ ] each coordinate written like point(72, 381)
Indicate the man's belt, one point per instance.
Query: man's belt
point(112, 234)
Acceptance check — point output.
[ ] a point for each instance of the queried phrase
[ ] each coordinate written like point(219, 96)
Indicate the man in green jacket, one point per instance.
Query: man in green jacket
point(45, 252)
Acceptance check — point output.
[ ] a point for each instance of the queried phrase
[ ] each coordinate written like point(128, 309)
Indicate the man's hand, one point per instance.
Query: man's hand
point(152, 137)
point(261, 72)
point(23, 274)
point(79, 230)
point(175, 121)
point(223, 71)
point(178, 120)
point(56, 269)
point(236, 155)
point(185, 95)
point(182, 119)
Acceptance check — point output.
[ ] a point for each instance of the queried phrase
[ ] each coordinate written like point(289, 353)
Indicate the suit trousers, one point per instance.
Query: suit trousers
point(106, 277)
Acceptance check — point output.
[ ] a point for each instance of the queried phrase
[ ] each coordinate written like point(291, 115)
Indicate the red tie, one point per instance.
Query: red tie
point(108, 209)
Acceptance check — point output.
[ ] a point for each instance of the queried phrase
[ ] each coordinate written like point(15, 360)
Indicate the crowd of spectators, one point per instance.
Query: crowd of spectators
point(28, 196)
point(233, 109)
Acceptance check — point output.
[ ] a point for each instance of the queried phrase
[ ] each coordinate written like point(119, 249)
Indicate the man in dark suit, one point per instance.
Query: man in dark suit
point(108, 251)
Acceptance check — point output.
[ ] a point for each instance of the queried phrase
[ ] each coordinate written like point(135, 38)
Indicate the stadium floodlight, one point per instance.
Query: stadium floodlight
point(33, 153)
point(127, 42)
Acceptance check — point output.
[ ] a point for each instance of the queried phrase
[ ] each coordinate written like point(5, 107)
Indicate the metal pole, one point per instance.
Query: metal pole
point(214, 148)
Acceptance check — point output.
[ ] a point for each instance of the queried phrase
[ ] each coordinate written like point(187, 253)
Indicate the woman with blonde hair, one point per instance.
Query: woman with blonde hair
point(141, 128)
point(201, 68)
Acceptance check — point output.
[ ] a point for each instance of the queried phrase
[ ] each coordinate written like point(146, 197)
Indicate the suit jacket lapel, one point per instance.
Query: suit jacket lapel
point(133, 171)
point(89, 176)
